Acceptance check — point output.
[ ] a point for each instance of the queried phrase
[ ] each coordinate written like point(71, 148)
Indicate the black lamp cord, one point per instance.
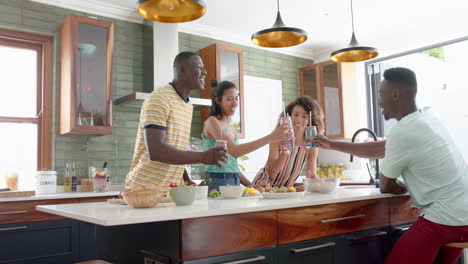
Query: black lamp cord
point(352, 15)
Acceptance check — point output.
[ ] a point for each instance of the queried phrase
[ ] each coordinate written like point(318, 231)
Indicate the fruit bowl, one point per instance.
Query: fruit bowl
point(321, 185)
point(231, 191)
point(142, 197)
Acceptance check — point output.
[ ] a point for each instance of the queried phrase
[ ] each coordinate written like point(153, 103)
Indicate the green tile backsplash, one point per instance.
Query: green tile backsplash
point(130, 73)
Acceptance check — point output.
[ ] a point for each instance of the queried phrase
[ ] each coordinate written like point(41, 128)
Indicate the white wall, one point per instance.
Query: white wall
point(263, 104)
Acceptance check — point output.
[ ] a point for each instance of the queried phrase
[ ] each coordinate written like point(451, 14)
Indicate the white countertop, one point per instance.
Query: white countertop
point(67, 195)
point(113, 214)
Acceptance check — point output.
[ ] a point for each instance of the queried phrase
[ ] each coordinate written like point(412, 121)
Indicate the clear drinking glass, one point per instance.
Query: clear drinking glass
point(101, 178)
point(221, 143)
point(310, 134)
point(288, 142)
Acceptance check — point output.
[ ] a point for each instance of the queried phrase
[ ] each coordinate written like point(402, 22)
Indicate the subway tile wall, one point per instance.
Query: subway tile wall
point(129, 75)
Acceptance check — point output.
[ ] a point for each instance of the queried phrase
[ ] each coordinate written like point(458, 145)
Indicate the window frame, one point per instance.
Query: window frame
point(43, 46)
point(372, 70)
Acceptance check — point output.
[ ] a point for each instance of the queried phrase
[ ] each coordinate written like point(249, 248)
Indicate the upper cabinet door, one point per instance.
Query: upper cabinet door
point(86, 91)
point(323, 83)
point(224, 63)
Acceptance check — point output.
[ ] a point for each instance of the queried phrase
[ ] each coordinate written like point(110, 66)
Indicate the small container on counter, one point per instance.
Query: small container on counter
point(46, 182)
point(11, 180)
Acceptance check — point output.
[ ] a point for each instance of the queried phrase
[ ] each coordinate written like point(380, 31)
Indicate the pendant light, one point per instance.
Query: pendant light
point(171, 11)
point(354, 52)
point(279, 36)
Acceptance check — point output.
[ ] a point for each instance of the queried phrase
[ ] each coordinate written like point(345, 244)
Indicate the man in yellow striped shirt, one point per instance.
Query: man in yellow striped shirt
point(162, 143)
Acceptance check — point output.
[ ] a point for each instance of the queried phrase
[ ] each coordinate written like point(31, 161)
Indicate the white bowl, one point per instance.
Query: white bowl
point(201, 192)
point(321, 185)
point(232, 191)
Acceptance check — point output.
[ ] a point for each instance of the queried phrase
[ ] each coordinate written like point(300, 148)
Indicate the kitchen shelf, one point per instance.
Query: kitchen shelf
point(136, 100)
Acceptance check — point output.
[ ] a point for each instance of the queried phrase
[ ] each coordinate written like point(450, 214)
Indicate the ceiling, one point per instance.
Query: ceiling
point(391, 26)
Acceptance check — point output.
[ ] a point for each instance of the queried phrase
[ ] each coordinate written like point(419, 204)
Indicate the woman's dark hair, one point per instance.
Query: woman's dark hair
point(310, 105)
point(218, 91)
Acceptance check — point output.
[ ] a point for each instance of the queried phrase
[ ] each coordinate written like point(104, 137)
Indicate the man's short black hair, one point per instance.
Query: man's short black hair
point(404, 77)
point(182, 57)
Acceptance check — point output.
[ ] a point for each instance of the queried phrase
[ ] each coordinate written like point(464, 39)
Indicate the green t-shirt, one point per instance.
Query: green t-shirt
point(420, 149)
point(231, 165)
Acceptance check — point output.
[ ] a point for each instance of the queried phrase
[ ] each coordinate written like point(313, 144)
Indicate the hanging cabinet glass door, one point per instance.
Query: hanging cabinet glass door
point(86, 92)
point(323, 83)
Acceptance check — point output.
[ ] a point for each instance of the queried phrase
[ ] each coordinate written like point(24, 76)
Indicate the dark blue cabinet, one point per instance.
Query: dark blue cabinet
point(48, 242)
point(368, 246)
point(323, 251)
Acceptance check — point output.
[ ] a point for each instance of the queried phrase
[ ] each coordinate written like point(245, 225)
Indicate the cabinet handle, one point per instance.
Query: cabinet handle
point(329, 244)
point(378, 234)
point(403, 228)
point(342, 218)
point(246, 260)
point(13, 212)
point(13, 228)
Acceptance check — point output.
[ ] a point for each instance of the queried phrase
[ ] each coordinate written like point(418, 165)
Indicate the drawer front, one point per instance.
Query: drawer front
point(298, 224)
point(402, 210)
point(219, 235)
point(39, 242)
point(19, 212)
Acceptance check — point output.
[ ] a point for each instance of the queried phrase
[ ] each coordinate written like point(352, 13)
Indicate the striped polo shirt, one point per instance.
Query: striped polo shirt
point(164, 109)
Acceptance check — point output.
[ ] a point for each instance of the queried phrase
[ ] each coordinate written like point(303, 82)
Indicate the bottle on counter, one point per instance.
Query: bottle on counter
point(67, 179)
point(74, 180)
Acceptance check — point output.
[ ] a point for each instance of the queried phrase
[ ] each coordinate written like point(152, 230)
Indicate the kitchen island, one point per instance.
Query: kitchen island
point(352, 225)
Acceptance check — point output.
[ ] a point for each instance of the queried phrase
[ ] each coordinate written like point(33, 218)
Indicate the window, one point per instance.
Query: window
point(441, 74)
point(25, 105)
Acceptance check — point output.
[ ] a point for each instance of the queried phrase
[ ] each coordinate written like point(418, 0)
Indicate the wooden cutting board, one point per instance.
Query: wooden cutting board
point(11, 194)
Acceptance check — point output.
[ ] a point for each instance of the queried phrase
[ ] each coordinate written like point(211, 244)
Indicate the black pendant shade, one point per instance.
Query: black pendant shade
point(354, 52)
point(279, 35)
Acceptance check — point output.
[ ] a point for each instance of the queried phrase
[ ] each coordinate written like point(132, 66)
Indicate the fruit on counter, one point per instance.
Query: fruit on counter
point(291, 189)
point(173, 185)
point(249, 191)
point(214, 193)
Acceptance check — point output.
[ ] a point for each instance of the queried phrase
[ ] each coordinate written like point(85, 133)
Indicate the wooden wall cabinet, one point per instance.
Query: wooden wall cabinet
point(86, 92)
point(224, 63)
point(323, 83)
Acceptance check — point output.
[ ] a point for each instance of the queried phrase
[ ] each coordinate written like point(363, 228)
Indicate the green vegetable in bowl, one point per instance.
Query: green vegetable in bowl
point(205, 182)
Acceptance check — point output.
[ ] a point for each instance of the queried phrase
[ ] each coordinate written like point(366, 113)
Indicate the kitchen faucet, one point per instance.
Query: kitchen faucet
point(377, 170)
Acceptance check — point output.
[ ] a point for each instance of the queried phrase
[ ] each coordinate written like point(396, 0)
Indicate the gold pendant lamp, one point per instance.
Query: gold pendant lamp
point(279, 36)
point(354, 52)
point(171, 11)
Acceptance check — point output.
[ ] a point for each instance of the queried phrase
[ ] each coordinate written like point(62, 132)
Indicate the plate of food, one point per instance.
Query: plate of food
point(251, 192)
point(281, 193)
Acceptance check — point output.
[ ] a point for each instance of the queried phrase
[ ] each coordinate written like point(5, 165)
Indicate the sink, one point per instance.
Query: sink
point(358, 186)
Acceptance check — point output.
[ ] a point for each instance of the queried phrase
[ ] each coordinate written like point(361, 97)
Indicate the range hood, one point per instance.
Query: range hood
point(161, 41)
point(136, 100)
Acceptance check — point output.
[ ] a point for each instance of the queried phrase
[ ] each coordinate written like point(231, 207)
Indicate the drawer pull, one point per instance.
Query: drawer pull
point(295, 250)
point(246, 260)
point(13, 228)
point(403, 228)
point(14, 212)
point(378, 234)
point(342, 218)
